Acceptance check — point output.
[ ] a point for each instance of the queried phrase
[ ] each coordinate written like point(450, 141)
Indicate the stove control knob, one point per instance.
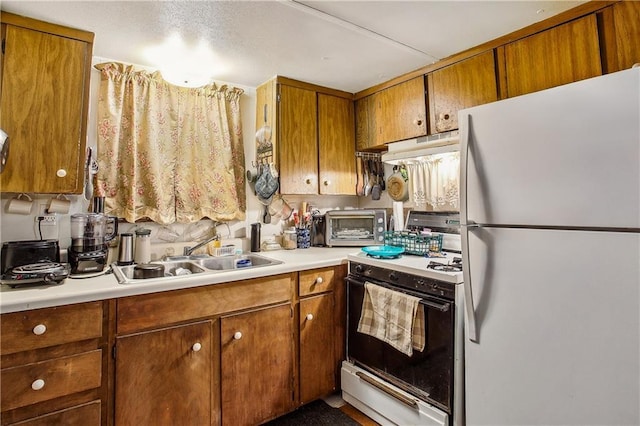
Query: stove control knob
point(49, 278)
point(435, 286)
point(359, 269)
point(393, 276)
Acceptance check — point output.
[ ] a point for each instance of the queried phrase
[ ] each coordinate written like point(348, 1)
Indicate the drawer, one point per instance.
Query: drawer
point(159, 309)
point(42, 381)
point(317, 281)
point(40, 328)
point(80, 415)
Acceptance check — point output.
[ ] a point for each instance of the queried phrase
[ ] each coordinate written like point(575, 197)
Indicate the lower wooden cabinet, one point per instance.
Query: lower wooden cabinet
point(317, 366)
point(322, 323)
point(257, 365)
point(164, 377)
point(53, 366)
point(81, 415)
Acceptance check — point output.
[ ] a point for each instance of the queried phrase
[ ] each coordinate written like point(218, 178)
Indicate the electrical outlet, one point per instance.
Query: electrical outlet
point(48, 220)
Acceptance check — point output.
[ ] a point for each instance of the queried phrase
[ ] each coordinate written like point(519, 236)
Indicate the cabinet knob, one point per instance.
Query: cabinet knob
point(327, 182)
point(307, 181)
point(39, 329)
point(309, 317)
point(37, 384)
point(318, 280)
point(417, 122)
point(61, 173)
point(196, 347)
point(444, 116)
point(237, 335)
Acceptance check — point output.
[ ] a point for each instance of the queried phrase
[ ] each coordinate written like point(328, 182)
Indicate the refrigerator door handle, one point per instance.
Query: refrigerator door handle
point(466, 224)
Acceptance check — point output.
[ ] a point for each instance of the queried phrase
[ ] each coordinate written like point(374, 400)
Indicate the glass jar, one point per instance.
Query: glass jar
point(289, 239)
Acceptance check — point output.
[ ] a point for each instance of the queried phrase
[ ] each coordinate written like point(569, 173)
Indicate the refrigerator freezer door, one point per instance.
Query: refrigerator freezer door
point(558, 328)
point(567, 156)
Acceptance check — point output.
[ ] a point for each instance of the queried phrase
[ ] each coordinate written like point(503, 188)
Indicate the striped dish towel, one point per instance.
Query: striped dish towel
point(393, 317)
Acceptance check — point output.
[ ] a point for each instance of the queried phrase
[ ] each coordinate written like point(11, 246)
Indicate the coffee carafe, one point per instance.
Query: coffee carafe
point(90, 235)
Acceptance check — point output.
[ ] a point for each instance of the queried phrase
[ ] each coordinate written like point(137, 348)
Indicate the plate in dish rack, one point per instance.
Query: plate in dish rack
point(383, 252)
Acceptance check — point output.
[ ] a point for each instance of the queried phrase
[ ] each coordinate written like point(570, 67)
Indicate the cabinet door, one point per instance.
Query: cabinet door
point(462, 85)
point(336, 153)
point(257, 365)
point(43, 86)
point(560, 55)
point(297, 141)
point(366, 129)
point(164, 377)
point(621, 35)
point(317, 360)
point(401, 111)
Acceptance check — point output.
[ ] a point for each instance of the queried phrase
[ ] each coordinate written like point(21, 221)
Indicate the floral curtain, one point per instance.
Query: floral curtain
point(435, 182)
point(168, 153)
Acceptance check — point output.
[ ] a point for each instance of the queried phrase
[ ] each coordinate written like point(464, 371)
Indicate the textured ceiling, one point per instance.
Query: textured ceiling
point(347, 45)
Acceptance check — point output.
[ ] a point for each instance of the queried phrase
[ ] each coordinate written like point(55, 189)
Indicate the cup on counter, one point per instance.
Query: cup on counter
point(59, 204)
point(303, 238)
point(20, 205)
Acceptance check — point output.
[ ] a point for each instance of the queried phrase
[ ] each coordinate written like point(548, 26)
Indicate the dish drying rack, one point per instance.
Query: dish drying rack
point(414, 243)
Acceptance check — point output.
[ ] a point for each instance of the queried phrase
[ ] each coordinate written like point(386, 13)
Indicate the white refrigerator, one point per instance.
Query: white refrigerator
point(550, 214)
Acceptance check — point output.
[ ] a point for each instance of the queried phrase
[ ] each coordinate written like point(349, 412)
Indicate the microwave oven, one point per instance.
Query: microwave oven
point(355, 227)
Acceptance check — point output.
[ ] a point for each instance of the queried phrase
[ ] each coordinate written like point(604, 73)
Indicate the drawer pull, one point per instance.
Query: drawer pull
point(318, 280)
point(39, 329)
point(196, 347)
point(237, 335)
point(309, 317)
point(37, 384)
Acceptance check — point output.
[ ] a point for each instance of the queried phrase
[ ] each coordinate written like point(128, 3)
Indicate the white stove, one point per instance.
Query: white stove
point(381, 389)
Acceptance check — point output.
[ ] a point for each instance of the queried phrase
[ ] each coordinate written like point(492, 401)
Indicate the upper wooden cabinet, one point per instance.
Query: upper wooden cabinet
point(336, 147)
point(366, 135)
point(563, 54)
point(462, 85)
point(621, 35)
point(312, 135)
point(297, 140)
point(391, 115)
point(43, 106)
point(401, 111)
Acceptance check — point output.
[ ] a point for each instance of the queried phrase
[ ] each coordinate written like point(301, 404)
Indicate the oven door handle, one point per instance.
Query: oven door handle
point(442, 307)
point(425, 300)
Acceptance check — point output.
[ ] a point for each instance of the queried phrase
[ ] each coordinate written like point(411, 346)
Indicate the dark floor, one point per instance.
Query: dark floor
point(319, 413)
point(358, 416)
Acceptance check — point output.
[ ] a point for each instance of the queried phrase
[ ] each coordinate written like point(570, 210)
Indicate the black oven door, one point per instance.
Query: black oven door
point(428, 375)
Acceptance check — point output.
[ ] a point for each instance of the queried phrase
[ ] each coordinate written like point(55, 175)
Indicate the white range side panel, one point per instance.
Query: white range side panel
point(567, 156)
point(558, 323)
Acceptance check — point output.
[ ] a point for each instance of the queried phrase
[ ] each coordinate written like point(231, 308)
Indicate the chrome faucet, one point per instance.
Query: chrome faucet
point(188, 250)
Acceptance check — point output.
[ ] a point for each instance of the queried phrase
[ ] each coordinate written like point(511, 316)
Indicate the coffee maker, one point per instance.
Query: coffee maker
point(90, 235)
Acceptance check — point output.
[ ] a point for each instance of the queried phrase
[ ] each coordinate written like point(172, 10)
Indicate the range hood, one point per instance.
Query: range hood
point(414, 149)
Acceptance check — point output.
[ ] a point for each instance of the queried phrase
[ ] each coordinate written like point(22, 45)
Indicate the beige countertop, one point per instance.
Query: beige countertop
point(74, 290)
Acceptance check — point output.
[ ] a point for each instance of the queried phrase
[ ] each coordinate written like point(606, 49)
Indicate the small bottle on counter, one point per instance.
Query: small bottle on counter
point(143, 246)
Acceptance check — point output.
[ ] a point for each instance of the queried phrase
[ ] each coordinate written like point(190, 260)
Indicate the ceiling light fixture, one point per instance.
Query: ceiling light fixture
point(181, 64)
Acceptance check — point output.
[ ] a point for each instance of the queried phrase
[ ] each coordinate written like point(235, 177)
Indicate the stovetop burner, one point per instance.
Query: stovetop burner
point(36, 274)
point(43, 267)
point(455, 266)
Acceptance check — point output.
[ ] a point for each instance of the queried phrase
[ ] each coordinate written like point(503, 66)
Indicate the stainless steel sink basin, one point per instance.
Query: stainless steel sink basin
point(175, 266)
point(226, 263)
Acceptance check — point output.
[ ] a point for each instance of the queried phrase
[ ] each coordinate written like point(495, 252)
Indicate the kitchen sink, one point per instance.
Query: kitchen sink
point(175, 266)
